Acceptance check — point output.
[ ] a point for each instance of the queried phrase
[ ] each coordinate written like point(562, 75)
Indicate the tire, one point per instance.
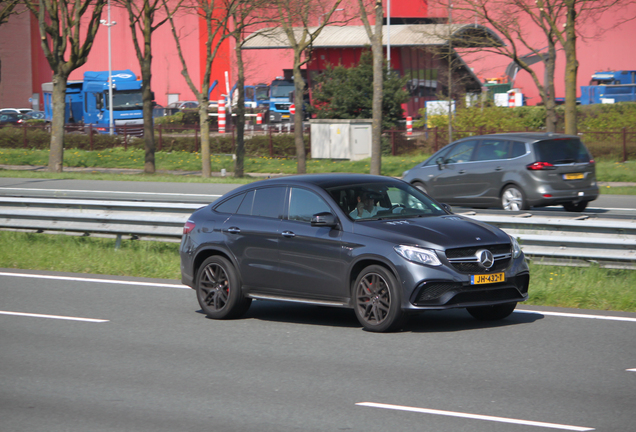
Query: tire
point(420, 186)
point(377, 300)
point(513, 199)
point(219, 290)
point(575, 207)
point(492, 313)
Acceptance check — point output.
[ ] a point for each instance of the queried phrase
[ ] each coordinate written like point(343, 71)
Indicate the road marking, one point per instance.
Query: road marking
point(108, 192)
point(575, 315)
point(475, 416)
point(108, 281)
point(631, 370)
point(59, 317)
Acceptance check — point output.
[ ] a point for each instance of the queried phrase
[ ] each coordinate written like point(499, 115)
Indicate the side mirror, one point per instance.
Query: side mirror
point(447, 207)
point(440, 163)
point(325, 219)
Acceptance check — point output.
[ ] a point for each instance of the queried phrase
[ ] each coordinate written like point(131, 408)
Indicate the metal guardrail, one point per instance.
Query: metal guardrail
point(577, 241)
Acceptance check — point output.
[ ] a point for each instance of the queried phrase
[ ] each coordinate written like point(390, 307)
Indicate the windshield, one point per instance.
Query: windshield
point(282, 89)
point(125, 100)
point(562, 151)
point(262, 93)
point(374, 201)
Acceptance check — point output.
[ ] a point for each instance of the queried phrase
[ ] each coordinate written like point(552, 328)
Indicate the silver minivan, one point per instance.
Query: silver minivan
point(514, 171)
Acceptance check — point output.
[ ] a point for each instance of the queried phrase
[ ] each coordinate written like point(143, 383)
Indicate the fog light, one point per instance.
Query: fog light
point(547, 196)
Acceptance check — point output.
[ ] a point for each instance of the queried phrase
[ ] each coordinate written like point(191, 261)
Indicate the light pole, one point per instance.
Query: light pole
point(388, 36)
point(108, 23)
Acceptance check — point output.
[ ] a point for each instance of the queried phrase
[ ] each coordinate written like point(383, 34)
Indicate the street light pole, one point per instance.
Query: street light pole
point(108, 23)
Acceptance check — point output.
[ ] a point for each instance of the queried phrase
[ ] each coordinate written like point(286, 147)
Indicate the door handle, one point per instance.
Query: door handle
point(461, 172)
point(234, 230)
point(288, 234)
point(499, 169)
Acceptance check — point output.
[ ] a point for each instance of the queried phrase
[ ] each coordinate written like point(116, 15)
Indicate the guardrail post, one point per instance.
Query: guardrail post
point(118, 242)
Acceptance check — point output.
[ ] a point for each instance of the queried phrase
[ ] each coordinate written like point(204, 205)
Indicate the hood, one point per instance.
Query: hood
point(439, 232)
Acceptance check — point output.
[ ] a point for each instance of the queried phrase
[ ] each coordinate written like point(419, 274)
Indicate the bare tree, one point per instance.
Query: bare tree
point(7, 8)
point(557, 20)
point(67, 31)
point(216, 15)
point(375, 36)
point(293, 16)
point(143, 22)
point(244, 17)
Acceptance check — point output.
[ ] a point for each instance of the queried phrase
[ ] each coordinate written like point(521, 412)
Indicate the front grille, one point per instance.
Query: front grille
point(443, 294)
point(470, 251)
point(465, 260)
point(282, 106)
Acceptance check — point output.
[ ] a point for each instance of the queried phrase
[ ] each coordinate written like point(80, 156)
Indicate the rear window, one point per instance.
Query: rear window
point(561, 151)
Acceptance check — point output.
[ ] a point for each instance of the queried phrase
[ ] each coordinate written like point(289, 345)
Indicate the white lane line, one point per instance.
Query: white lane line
point(574, 315)
point(59, 317)
point(108, 281)
point(475, 416)
point(630, 370)
point(109, 192)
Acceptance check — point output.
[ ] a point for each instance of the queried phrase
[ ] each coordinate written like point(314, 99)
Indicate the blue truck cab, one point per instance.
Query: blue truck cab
point(610, 87)
point(279, 99)
point(87, 102)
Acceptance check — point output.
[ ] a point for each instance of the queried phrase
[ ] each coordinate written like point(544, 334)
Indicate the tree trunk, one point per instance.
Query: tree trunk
point(376, 124)
point(206, 167)
point(299, 88)
point(571, 69)
point(146, 94)
point(239, 163)
point(56, 152)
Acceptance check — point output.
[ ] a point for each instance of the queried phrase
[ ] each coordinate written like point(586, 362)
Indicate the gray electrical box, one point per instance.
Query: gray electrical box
point(340, 139)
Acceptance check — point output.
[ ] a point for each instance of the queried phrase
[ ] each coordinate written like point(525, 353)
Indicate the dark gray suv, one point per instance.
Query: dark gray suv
point(514, 171)
point(374, 244)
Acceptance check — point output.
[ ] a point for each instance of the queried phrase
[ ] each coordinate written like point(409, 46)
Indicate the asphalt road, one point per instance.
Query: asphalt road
point(152, 362)
point(605, 205)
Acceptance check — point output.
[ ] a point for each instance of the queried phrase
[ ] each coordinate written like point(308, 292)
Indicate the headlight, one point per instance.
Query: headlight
point(516, 249)
point(418, 255)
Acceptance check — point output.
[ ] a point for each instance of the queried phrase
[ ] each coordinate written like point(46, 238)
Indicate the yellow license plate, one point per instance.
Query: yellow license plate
point(573, 176)
point(285, 116)
point(487, 278)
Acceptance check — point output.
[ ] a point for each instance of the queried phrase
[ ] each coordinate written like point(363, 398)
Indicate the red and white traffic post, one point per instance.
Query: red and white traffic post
point(221, 115)
point(409, 125)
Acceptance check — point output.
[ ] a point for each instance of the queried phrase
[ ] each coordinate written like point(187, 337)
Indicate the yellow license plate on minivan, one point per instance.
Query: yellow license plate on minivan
point(573, 176)
point(487, 278)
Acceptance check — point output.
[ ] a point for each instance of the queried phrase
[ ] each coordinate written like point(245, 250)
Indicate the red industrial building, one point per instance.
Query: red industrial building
point(23, 67)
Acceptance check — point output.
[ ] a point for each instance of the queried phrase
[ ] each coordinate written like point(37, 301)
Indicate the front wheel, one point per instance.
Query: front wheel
point(219, 290)
point(492, 313)
point(378, 300)
point(512, 199)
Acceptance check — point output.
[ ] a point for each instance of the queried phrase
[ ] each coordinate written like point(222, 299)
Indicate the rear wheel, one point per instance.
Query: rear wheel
point(492, 313)
point(219, 290)
point(575, 207)
point(378, 300)
point(512, 199)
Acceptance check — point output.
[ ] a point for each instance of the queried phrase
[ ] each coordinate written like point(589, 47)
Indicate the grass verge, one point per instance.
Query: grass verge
point(571, 287)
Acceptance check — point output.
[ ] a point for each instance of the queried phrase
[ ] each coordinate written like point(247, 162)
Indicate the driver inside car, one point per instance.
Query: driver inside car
point(366, 207)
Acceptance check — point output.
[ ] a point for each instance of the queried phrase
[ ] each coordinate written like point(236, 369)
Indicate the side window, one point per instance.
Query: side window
point(518, 149)
point(492, 150)
point(231, 205)
point(462, 152)
point(303, 204)
point(269, 202)
point(246, 206)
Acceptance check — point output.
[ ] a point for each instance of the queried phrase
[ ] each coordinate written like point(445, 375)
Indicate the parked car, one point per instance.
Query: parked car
point(10, 117)
point(374, 244)
point(175, 107)
point(514, 171)
point(16, 110)
point(34, 115)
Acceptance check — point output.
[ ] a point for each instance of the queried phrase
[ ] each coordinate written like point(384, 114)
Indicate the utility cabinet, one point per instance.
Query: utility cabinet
point(340, 139)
